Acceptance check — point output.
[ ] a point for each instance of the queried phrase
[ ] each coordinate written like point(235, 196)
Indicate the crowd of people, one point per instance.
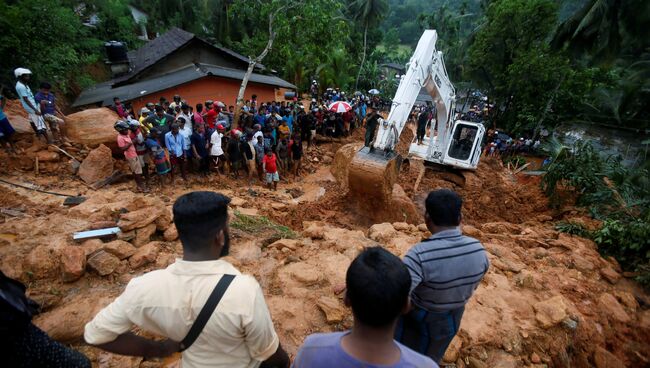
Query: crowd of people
point(405, 312)
point(264, 141)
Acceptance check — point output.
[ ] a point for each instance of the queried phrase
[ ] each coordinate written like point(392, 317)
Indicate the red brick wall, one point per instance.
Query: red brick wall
point(209, 88)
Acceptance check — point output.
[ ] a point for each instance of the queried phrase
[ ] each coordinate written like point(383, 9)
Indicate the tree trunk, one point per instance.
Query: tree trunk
point(363, 57)
point(549, 104)
point(259, 58)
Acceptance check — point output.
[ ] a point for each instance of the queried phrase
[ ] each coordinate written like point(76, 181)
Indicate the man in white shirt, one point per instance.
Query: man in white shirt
point(238, 333)
point(29, 103)
point(216, 151)
point(185, 114)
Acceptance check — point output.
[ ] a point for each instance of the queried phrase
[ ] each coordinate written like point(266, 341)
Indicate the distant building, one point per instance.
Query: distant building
point(392, 69)
point(180, 63)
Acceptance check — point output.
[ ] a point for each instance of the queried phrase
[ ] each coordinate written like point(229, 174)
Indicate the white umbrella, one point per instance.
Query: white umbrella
point(340, 106)
point(374, 91)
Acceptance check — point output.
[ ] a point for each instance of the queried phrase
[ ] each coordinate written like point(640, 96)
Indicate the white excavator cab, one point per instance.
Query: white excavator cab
point(464, 148)
point(461, 148)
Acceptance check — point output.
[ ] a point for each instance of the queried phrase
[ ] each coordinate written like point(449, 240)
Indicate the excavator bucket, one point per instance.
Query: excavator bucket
point(372, 174)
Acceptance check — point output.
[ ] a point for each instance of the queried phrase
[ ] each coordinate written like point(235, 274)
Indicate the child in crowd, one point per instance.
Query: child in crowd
point(269, 164)
point(157, 154)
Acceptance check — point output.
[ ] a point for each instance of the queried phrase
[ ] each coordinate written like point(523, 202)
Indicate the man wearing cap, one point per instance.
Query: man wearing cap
point(29, 104)
point(125, 145)
point(144, 114)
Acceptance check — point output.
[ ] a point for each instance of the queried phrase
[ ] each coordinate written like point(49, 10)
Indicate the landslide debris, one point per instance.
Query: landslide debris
point(549, 299)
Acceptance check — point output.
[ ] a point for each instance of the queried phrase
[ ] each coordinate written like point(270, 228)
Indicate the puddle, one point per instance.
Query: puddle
point(311, 193)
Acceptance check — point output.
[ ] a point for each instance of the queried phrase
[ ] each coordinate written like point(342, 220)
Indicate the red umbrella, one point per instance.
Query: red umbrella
point(340, 106)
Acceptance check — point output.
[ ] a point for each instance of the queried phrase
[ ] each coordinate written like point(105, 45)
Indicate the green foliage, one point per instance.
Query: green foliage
point(628, 240)
point(299, 49)
point(573, 228)
point(510, 59)
point(455, 29)
point(616, 194)
point(47, 37)
point(579, 168)
point(260, 224)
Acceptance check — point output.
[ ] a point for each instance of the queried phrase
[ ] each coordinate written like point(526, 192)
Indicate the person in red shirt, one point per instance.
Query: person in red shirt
point(348, 117)
point(126, 145)
point(269, 163)
point(210, 115)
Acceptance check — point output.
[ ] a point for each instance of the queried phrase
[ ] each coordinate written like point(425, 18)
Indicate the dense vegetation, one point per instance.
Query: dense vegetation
point(617, 195)
point(541, 62)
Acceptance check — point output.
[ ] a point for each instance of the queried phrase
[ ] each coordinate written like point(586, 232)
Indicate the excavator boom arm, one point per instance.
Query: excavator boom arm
point(425, 69)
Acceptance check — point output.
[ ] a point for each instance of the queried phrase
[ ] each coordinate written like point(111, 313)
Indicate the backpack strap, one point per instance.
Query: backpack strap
point(206, 311)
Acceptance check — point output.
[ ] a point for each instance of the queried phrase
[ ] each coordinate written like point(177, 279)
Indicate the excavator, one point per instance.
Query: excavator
point(456, 146)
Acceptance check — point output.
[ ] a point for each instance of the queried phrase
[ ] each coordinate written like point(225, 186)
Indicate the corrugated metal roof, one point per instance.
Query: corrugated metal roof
point(160, 47)
point(103, 93)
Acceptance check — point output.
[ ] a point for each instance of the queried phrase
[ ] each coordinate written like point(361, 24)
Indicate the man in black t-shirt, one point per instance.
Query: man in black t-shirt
point(372, 121)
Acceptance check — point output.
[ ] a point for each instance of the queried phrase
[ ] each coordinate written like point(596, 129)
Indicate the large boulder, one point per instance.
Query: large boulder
point(92, 127)
point(97, 165)
point(18, 117)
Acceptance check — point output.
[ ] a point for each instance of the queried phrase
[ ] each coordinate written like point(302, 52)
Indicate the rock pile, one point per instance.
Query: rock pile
point(548, 300)
point(544, 302)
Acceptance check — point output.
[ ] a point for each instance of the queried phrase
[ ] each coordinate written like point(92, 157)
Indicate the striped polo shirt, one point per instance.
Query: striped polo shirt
point(445, 270)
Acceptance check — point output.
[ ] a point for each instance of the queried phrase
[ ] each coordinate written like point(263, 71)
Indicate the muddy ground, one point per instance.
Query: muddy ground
point(549, 299)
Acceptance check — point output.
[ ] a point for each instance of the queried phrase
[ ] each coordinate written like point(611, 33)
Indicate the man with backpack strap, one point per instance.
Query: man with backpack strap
point(213, 322)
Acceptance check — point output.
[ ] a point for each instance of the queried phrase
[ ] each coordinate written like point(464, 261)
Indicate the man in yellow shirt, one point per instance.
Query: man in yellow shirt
point(283, 130)
point(238, 333)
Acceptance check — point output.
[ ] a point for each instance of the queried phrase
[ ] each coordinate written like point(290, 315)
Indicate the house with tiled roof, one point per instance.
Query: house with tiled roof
point(180, 63)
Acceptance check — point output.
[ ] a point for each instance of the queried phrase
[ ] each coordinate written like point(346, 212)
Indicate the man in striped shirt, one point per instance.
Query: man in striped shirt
point(445, 270)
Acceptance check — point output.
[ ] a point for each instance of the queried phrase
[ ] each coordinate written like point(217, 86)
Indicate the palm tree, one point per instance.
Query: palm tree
point(606, 28)
point(367, 13)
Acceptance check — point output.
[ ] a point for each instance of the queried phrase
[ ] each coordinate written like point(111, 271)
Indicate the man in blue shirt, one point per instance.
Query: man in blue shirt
point(377, 290)
point(6, 130)
point(47, 103)
point(260, 117)
point(175, 143)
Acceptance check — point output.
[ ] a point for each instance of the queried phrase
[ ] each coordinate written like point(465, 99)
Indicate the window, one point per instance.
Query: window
point(462, 142)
